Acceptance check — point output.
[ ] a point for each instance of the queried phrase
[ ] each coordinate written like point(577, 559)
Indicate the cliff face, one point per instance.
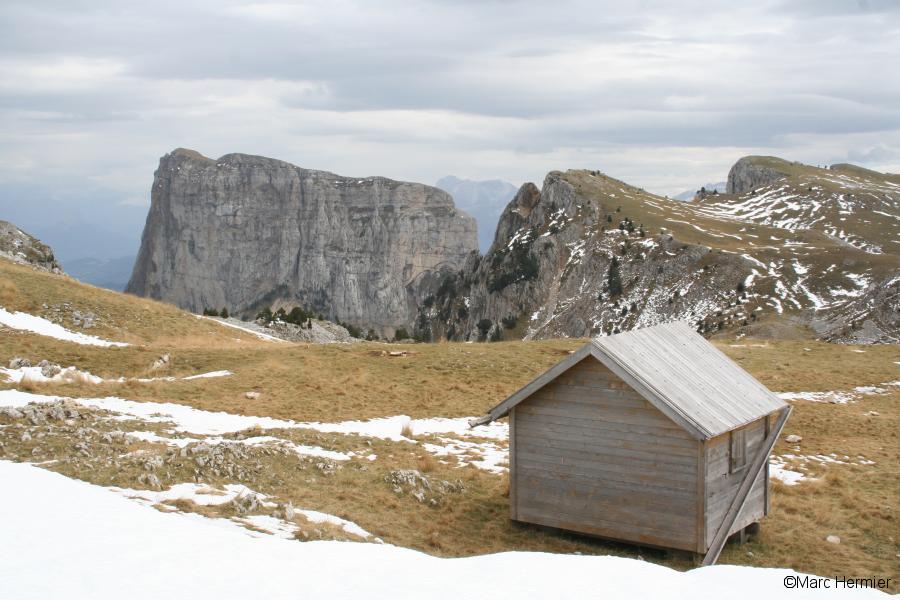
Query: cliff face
point(246, 231)
point(753, 172)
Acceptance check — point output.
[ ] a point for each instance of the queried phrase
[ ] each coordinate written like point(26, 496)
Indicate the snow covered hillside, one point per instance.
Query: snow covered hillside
point(101, 545)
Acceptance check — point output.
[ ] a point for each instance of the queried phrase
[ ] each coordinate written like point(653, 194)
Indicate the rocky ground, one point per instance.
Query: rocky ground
point(246, 476)
point(321, 332)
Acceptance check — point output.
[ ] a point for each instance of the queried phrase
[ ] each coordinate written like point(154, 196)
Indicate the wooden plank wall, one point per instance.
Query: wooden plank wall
point(721, 486)
point(591, 455)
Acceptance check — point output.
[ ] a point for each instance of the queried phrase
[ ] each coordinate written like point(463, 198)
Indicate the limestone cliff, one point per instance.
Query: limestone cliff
point(752, 172)
point(246, 231)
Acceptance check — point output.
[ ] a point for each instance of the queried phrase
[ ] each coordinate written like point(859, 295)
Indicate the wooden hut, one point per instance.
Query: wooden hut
point(653, 437)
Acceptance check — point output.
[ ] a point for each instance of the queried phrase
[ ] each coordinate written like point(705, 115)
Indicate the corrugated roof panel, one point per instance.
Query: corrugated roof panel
point(691, 376)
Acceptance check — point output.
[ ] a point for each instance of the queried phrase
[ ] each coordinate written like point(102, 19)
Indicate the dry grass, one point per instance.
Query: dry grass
point(120, 317)
point(29, 384)
point(426, 464)
point(858, 503)
point(8, 292)
point(338, 382)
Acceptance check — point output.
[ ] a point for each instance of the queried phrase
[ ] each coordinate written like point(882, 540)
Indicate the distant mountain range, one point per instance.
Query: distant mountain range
point(782, 249)
point(109, 273)
point(93, 234)
point(484, 200)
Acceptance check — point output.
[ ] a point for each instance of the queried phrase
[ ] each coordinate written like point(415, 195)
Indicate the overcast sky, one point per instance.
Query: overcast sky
point(665, 95)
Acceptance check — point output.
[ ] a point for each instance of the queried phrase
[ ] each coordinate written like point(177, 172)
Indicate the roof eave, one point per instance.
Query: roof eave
point(503, 408)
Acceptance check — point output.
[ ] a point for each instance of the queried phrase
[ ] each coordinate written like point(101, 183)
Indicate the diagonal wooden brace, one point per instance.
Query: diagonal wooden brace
point(734, 509)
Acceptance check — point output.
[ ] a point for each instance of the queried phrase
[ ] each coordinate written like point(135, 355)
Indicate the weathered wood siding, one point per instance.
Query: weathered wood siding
point(722, 485)
point(590, 455)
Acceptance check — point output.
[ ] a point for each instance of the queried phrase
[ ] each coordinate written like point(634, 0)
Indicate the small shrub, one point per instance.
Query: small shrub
point(484, 326)
point(448, 287)
point(401, 334)
point(426, 463)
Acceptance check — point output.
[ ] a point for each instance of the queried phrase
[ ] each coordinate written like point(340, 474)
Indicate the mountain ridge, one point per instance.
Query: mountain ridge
point(548, 272)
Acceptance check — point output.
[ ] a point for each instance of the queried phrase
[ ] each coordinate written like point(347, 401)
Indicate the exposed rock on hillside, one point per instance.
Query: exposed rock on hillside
point(752, 172)
point(20, 247)
point(319, 332)
point(855, 205)
point(244, 232)
point(550, 271)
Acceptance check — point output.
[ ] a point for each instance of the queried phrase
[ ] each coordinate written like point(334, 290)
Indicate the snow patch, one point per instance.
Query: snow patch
point(350, 527)
point(41, 326)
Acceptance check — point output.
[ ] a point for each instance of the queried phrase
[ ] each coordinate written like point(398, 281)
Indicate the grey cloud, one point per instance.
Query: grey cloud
point(500, 89)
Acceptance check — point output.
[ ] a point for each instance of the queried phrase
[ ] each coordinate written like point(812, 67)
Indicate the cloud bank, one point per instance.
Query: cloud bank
point(665, 95)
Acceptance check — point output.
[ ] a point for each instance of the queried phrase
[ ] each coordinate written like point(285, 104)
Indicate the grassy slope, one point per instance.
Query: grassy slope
point(823, 199)
point(825, 261)
point(333, 383)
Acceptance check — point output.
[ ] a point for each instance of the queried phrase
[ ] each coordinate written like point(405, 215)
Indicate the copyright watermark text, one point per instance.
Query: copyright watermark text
point(811, 582)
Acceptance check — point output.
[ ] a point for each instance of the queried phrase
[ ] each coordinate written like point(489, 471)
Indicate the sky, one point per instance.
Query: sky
point(664, 95)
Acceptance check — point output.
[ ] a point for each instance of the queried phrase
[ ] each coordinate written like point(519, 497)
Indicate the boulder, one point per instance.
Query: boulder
point(18, 363)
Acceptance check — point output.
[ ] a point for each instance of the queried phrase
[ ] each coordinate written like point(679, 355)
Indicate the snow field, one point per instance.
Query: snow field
point(148, 554)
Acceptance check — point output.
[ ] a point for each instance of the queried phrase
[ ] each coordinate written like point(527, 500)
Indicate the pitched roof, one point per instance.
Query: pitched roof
point(678, 372)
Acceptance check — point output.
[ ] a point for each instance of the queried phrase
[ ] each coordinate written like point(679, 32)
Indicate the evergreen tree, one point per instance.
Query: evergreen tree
point(224, 313)
point(614, 279)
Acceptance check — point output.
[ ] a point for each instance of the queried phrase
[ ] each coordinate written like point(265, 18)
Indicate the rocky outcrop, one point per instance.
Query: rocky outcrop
point(20, 247)
point(753, 172)
point(547, 275)
point(589, 255)
point(244, 232)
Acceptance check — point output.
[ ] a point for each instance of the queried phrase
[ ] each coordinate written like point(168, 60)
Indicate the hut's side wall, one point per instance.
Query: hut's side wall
point(722, 485)
point(591, 455)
